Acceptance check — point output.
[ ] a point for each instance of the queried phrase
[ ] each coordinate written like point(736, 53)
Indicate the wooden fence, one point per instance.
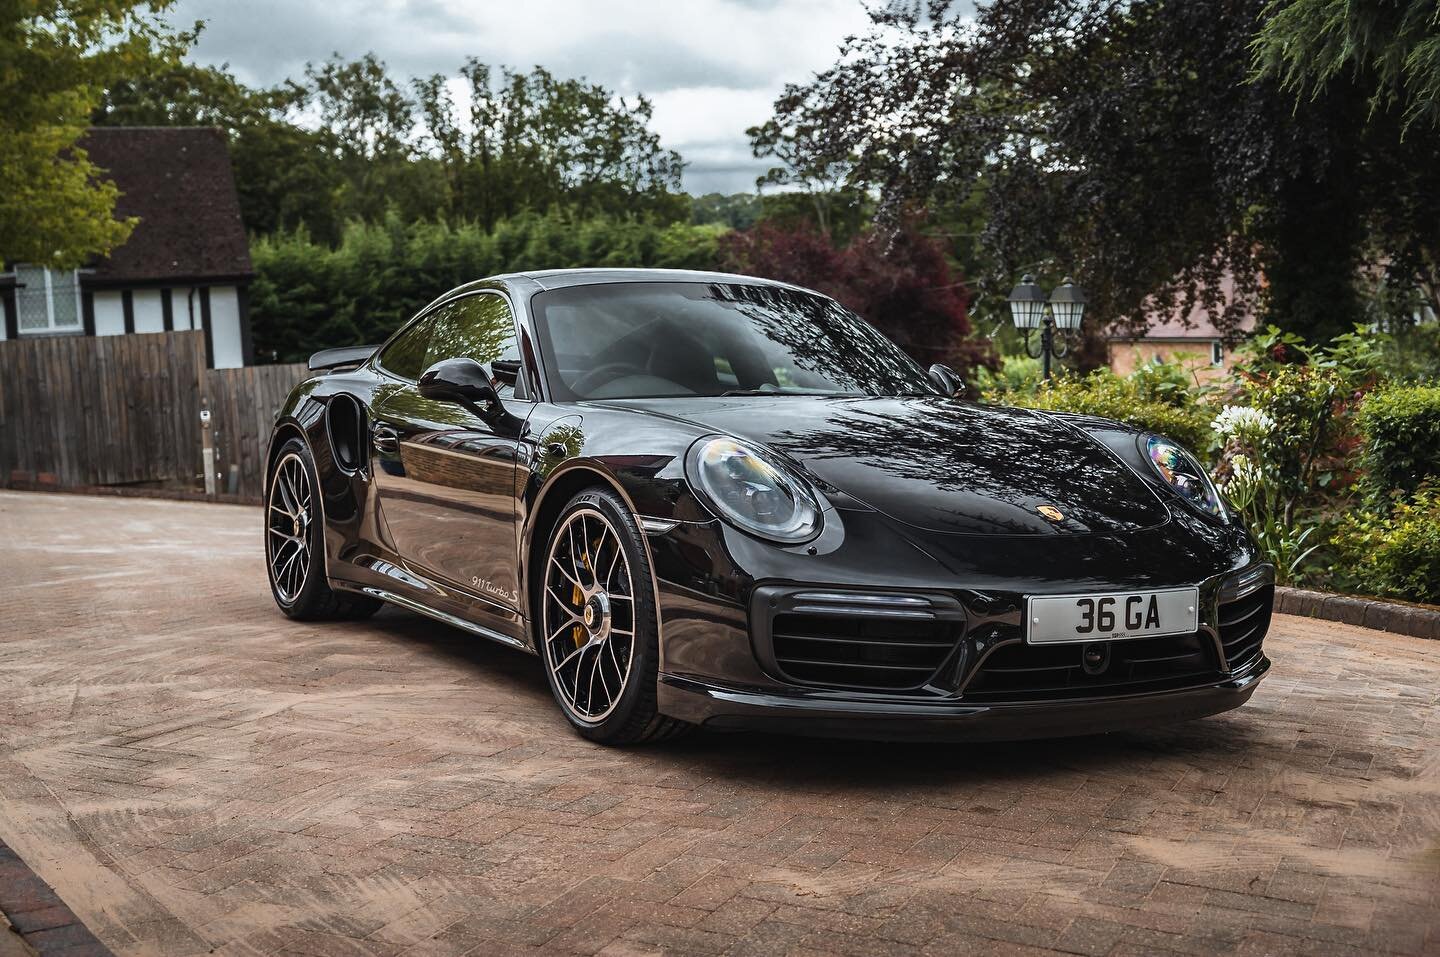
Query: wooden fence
point(81, 411)
point(243, 404)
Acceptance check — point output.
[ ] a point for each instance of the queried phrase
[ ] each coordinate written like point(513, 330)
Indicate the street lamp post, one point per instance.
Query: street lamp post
point(1028, 310)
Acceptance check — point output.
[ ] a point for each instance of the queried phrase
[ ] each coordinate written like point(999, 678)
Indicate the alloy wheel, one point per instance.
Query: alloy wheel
point(588, 615)
point(288, 521)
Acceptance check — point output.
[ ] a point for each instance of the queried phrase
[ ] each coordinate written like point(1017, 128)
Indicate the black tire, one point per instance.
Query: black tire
point(631, 716)
point(295, 543)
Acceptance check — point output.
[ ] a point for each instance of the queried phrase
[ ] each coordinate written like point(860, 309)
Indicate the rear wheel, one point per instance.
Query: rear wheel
point(598, 634)
point(295, 543)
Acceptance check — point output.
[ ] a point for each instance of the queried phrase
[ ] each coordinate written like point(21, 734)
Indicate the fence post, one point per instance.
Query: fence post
point(207, 446)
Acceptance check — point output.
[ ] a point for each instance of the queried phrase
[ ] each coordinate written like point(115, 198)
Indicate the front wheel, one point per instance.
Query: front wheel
point(598, 633)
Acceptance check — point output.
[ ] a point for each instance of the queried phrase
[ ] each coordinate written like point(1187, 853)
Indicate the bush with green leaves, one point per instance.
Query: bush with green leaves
point(1396, 554)
point(1411, 352)
point(1286, 440)
point(1016, 374)
point(308, 296)
point(1401, 429)
point(1134, 400)
point(1258, 497)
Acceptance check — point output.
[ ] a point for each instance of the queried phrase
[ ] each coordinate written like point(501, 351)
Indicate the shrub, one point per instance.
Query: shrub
point(900, 280)
point(1131, 401)
point(1395, 555)
point(1401, 428)
point(308, 296)
point(1017, 374)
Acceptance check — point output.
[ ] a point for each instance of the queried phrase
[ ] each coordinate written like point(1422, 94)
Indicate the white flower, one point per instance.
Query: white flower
point(1242, 420)
point(1243, 471)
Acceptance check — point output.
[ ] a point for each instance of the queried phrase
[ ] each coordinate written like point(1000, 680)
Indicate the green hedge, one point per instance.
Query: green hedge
point(308, 296)
point(1395, 555)
point(1133, 401)
point(1401, 426)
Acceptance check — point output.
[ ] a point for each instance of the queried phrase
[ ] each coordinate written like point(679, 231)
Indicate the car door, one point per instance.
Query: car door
point(445, 474)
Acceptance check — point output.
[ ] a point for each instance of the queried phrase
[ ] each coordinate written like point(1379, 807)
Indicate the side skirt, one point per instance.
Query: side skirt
point(443, 617)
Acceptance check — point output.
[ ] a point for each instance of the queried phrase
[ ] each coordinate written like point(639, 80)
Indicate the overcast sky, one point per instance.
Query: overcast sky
point(711, 67)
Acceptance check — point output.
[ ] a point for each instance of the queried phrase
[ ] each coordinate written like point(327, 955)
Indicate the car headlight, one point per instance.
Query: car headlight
point(1183, 473)
point(752, 492)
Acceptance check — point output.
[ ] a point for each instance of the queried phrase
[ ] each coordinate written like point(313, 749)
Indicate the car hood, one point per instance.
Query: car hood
point(941, 464)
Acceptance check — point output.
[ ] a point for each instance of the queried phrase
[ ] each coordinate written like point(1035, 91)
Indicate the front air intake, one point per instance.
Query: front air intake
point(857, 641)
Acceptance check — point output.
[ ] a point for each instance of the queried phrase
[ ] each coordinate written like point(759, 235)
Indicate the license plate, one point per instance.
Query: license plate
point(1056, 619)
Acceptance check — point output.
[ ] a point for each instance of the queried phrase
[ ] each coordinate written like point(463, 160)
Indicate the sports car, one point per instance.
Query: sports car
point(707, 499)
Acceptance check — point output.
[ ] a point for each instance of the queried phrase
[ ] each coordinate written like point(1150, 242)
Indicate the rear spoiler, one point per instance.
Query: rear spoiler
point(346, 357)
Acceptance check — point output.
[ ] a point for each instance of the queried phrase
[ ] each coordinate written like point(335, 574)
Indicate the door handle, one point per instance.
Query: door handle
point(386, 439)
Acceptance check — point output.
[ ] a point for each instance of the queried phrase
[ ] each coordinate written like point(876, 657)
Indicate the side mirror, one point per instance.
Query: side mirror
point(946, 380)
point(464, 381)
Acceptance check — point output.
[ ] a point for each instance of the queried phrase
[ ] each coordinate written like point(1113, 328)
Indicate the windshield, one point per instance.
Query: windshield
point(652, 339)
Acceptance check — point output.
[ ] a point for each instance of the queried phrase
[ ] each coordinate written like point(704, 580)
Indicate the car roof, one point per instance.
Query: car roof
point(558, 278)
point(541, 280)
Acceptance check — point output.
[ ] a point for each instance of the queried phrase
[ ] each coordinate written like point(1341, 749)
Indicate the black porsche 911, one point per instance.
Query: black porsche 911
point(705, 499)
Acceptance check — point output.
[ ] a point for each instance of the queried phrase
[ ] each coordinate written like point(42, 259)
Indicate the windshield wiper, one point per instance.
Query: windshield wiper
point(772, 392)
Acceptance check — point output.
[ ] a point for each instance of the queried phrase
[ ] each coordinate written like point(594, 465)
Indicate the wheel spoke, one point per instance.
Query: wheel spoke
point(568, 577)
point(297, 570)
point(585, 542)
point(571, 617)
point(554, 635)
point(575, 562)
point(293, 486)
point(283, 574)
point(614, 560)
point(619, 672)
point(280, 552)
point(575, 694)
point(566, 660)
point(599, 659)
point(283, 483)
point(590, 688)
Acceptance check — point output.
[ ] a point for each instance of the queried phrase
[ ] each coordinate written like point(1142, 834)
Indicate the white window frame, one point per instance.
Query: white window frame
point(1217, 352)
point(50, 329)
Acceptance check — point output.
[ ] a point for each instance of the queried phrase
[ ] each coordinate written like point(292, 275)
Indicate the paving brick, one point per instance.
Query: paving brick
point(391, 787)
point(44, 918)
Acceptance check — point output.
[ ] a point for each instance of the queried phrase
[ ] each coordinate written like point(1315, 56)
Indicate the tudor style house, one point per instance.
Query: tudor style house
point(186, 265)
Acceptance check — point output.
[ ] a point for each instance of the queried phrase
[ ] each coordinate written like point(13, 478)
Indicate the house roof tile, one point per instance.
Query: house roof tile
point(178, 181)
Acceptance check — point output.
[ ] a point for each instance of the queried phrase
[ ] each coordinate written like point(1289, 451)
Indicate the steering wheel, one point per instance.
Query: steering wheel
point(595, 378)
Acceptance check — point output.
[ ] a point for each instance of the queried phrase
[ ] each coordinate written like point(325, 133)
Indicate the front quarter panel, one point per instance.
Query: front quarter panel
point(346, 498)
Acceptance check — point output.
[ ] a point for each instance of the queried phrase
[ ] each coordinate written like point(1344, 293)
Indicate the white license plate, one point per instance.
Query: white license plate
point(1055, 619)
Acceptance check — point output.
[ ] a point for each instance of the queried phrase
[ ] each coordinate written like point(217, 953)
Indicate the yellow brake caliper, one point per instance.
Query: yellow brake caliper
point(577, 633)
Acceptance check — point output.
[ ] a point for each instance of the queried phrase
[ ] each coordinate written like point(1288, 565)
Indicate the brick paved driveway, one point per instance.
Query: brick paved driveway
point(193, 772)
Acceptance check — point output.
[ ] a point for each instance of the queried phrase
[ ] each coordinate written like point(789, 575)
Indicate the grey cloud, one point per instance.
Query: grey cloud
point(268, 41)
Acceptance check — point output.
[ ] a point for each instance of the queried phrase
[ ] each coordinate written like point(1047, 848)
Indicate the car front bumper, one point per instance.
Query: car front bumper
point(821, 714)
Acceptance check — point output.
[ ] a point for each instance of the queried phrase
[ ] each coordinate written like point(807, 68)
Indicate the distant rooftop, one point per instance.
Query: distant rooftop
point(179, 182)
point(1194, 324)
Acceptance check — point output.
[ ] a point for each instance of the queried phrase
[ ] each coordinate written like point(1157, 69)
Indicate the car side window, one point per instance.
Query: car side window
point(476, 327)
point(405, 356)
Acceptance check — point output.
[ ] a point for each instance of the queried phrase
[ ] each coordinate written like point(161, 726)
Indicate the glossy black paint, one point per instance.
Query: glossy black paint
point(931, 495)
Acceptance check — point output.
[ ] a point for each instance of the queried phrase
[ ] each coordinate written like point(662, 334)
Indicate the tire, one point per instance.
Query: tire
point(595, 605)
point(295, 543)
